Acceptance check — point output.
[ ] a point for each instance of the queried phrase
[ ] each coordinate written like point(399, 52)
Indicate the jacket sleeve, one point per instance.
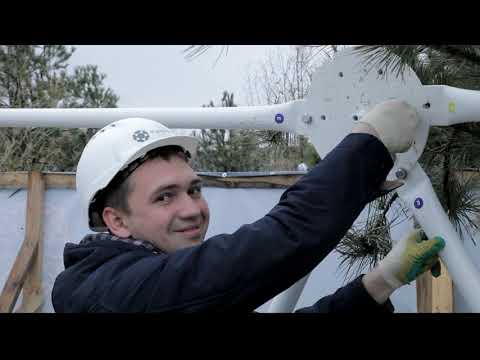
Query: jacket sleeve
point(243, 270)
point(352, 298)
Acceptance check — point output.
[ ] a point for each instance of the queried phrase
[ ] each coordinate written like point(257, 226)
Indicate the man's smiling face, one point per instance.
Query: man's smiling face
point(166, 205)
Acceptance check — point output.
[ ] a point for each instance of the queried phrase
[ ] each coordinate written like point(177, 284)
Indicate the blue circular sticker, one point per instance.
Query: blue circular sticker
point(418, 203)
point(279, 118)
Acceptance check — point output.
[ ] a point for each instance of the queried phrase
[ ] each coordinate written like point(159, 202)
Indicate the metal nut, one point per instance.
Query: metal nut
point(401, 174)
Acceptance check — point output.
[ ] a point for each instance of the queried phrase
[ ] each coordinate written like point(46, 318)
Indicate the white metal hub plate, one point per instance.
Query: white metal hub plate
point(345, 88)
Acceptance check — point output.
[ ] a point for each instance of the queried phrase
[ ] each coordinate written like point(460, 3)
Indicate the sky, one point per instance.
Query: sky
point(160, 76)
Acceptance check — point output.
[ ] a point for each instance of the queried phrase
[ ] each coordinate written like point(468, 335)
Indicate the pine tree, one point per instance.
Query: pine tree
point(36, 76)
point(227, 150)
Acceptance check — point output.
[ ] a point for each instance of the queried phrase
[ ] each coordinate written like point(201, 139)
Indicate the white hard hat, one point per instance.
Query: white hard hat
point(112, 149)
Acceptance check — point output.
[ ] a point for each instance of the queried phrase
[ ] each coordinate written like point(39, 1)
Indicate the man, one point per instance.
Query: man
point(135, 183)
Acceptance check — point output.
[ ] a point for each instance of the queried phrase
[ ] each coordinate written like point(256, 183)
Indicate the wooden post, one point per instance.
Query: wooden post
point(30, 256)
point(435, 295)
point(32, 293)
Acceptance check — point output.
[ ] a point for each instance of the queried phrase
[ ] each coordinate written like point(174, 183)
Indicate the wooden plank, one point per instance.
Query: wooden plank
point(435, 295)
point(424, 293)
point(277, 181)
point(19, 180)
point(29, 248)
point(52, 180)
point(14, 179)
point(32, 292)
point(442, 290)
point(60, 180)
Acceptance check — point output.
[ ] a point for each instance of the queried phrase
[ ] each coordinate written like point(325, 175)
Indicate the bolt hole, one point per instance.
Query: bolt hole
point(323, 117)
point(380, 72)
point(355, 117)
point(340, 74)
point(426, 105)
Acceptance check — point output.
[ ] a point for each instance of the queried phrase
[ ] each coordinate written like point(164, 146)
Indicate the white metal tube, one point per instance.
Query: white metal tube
point(286, 301)
point(447, 105)
point(282, 117)
point(419, 196)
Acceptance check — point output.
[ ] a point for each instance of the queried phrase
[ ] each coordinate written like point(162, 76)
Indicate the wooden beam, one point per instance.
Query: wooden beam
point(19, 180)
point(60, 180)
point(277, 181)
point(28, 250)
point(13, 179)
point(435, 295)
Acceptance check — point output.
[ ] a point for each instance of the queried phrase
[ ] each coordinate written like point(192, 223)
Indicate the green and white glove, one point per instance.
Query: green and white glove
point(411, 257)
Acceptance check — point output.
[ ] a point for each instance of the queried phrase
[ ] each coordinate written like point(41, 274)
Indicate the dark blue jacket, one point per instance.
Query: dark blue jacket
point(239, 271)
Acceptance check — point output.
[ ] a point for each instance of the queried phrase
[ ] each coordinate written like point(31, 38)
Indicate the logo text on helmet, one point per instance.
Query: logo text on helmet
point(140, 135)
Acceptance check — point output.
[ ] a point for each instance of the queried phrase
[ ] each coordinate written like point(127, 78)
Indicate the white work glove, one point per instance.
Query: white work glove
point(411, 257)
point(394, 122)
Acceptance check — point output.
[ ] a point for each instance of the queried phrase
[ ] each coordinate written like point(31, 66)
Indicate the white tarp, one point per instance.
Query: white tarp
point(229, 208)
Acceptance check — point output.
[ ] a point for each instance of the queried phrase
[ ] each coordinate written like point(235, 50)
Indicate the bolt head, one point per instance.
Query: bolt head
point(307, 119)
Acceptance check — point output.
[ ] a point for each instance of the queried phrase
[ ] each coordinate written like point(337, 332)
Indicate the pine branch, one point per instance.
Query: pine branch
point(460, 52)
point(369, 241)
